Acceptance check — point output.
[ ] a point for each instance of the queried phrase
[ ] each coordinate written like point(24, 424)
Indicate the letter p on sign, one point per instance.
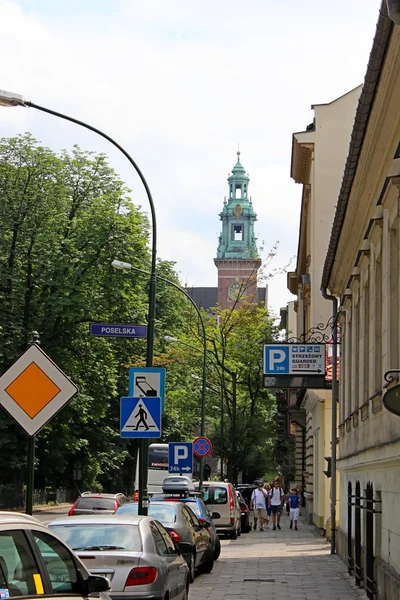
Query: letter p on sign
point(181, 453)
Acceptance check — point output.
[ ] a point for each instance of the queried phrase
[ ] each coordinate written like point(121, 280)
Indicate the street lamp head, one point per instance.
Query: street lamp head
point(170, 338)
point(124, 266)
point(11, 99)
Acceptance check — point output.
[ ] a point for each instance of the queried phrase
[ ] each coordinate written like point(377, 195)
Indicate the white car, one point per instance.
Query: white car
point(35, 562)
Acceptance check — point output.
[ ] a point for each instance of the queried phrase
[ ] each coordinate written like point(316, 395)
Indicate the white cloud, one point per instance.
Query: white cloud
point(179, 84)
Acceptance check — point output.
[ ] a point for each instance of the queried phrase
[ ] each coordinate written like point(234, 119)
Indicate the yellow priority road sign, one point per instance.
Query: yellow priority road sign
point(34, 389)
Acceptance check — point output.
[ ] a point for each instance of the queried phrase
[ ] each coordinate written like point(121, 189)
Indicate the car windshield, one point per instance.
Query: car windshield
point(100, 536)
point(166, 513)
point(96, 503)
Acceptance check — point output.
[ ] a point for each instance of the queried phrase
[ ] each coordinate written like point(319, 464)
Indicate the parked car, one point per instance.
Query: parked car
point(183, 526)
point(244, 512)
point(34, 562)
point(204, 516)
point(220, 496)
point(135, 553)
point(246, 490)
point(90, 503)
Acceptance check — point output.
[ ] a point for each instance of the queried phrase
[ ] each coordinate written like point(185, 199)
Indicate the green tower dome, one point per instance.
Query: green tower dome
point(237, 239)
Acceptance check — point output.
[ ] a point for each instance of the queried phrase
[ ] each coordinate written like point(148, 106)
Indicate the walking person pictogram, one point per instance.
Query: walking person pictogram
point(142, 414)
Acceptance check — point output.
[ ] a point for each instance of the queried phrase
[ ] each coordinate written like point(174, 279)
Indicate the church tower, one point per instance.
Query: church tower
point(237, 256)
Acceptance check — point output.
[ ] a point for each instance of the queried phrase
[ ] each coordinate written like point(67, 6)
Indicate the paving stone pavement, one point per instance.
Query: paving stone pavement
point(280, 565)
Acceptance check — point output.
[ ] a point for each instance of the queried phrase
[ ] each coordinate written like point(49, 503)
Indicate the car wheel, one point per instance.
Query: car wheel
point(217, 549)
point(192, 568)
point(208, 564)
point(240, 530)
point(233, 535)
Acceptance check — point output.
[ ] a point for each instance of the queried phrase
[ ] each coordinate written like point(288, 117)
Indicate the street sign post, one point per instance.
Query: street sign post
point(147, 382)
point(34, 389)
point(294, 359)
point(140, 417)
point(180, 457)
point(118, 330)
point(202, 447)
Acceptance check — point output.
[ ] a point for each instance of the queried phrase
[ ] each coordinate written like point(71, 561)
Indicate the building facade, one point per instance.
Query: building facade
point(362, 269)
point(318, 158)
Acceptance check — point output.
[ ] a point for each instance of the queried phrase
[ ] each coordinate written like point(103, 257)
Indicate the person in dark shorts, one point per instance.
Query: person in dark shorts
point(276, 498)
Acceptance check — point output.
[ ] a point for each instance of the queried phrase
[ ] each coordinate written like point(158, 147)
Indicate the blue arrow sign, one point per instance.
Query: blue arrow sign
point(140, 417)
point(118, 330)
point(180, 457)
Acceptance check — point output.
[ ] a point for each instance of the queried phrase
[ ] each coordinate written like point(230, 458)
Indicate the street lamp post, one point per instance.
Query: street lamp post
point(117, 264)
point(10, 99)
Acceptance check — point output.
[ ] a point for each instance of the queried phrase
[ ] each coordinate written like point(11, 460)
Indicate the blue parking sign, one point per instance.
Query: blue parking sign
point(180, 457)
point(276, 359)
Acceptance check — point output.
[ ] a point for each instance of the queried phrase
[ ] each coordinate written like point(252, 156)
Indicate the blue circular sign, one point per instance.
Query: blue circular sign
point(202, 447)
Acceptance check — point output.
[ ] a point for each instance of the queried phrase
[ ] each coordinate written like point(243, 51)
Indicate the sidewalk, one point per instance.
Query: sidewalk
point(280, 565)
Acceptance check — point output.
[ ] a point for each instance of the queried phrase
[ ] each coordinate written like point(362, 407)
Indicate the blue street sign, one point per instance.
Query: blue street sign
point(118, 330)
point(294, 359)
point(147, 382)
point(180, 457)
point(140, 417)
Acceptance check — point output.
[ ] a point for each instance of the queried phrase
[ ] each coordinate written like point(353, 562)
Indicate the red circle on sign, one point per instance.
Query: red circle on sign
point(202, 446)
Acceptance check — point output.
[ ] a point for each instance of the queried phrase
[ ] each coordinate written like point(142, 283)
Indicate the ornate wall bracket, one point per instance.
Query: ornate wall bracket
point(320, 334)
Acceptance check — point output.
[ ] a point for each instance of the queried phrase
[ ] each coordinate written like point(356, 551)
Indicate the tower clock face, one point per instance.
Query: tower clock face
point(237, 291)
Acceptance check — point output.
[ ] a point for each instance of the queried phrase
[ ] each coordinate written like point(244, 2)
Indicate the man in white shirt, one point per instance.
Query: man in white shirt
point(276, 498)
point(258, 501)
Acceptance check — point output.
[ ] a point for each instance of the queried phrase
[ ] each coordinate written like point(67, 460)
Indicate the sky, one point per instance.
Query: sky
point(179, 84)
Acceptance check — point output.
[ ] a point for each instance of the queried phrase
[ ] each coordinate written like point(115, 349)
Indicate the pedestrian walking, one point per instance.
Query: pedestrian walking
point(294, 502)
point(276, 499)
point(258, 505)
point(267, 488)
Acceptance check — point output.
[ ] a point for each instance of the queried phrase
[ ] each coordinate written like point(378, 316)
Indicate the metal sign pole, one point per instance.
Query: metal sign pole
point(30, 475)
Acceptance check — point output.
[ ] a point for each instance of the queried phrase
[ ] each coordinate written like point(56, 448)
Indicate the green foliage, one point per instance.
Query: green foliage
point(235, 340)
point(63, 219)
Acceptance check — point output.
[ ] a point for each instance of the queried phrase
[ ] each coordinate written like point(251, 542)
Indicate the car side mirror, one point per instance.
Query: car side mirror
point(184, 547)
point(204, 522)
point(98, 583)
point(215, 515)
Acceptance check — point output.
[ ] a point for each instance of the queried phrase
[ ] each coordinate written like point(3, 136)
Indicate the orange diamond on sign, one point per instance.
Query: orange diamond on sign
point(32, 390)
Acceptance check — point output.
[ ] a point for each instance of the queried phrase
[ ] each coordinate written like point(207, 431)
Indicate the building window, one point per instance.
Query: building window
point(237, 233)
point(378, 326)
point(394, 298)
point(356, 357)
point(366, 339)
point(238, 191)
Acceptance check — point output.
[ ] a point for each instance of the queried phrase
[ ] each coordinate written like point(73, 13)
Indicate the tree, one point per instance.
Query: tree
point(235, 341)
point(63, 218)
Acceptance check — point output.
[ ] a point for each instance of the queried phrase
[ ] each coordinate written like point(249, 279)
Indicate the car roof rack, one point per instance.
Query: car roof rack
point(177, 484)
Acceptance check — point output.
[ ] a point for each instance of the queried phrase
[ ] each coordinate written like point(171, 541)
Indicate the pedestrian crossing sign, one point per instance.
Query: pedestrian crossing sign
point(140, 417)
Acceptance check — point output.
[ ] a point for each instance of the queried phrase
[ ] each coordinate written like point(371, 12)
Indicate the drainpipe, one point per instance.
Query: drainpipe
point(335, 398)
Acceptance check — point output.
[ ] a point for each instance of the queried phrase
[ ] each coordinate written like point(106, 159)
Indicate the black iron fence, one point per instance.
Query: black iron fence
point(367, 503)
point(12, 498)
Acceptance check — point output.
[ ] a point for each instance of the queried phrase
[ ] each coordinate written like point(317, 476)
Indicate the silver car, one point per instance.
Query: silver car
point(135, 553)
point(34, 562)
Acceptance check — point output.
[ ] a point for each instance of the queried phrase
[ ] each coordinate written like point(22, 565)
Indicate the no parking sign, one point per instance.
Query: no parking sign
point(202, 447)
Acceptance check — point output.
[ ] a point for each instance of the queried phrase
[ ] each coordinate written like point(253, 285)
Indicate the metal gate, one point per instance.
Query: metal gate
point(357, 536)
point(360, 503)
point(350, 562)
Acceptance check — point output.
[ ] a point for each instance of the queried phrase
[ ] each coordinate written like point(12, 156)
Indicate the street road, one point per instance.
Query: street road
point(48, 514)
